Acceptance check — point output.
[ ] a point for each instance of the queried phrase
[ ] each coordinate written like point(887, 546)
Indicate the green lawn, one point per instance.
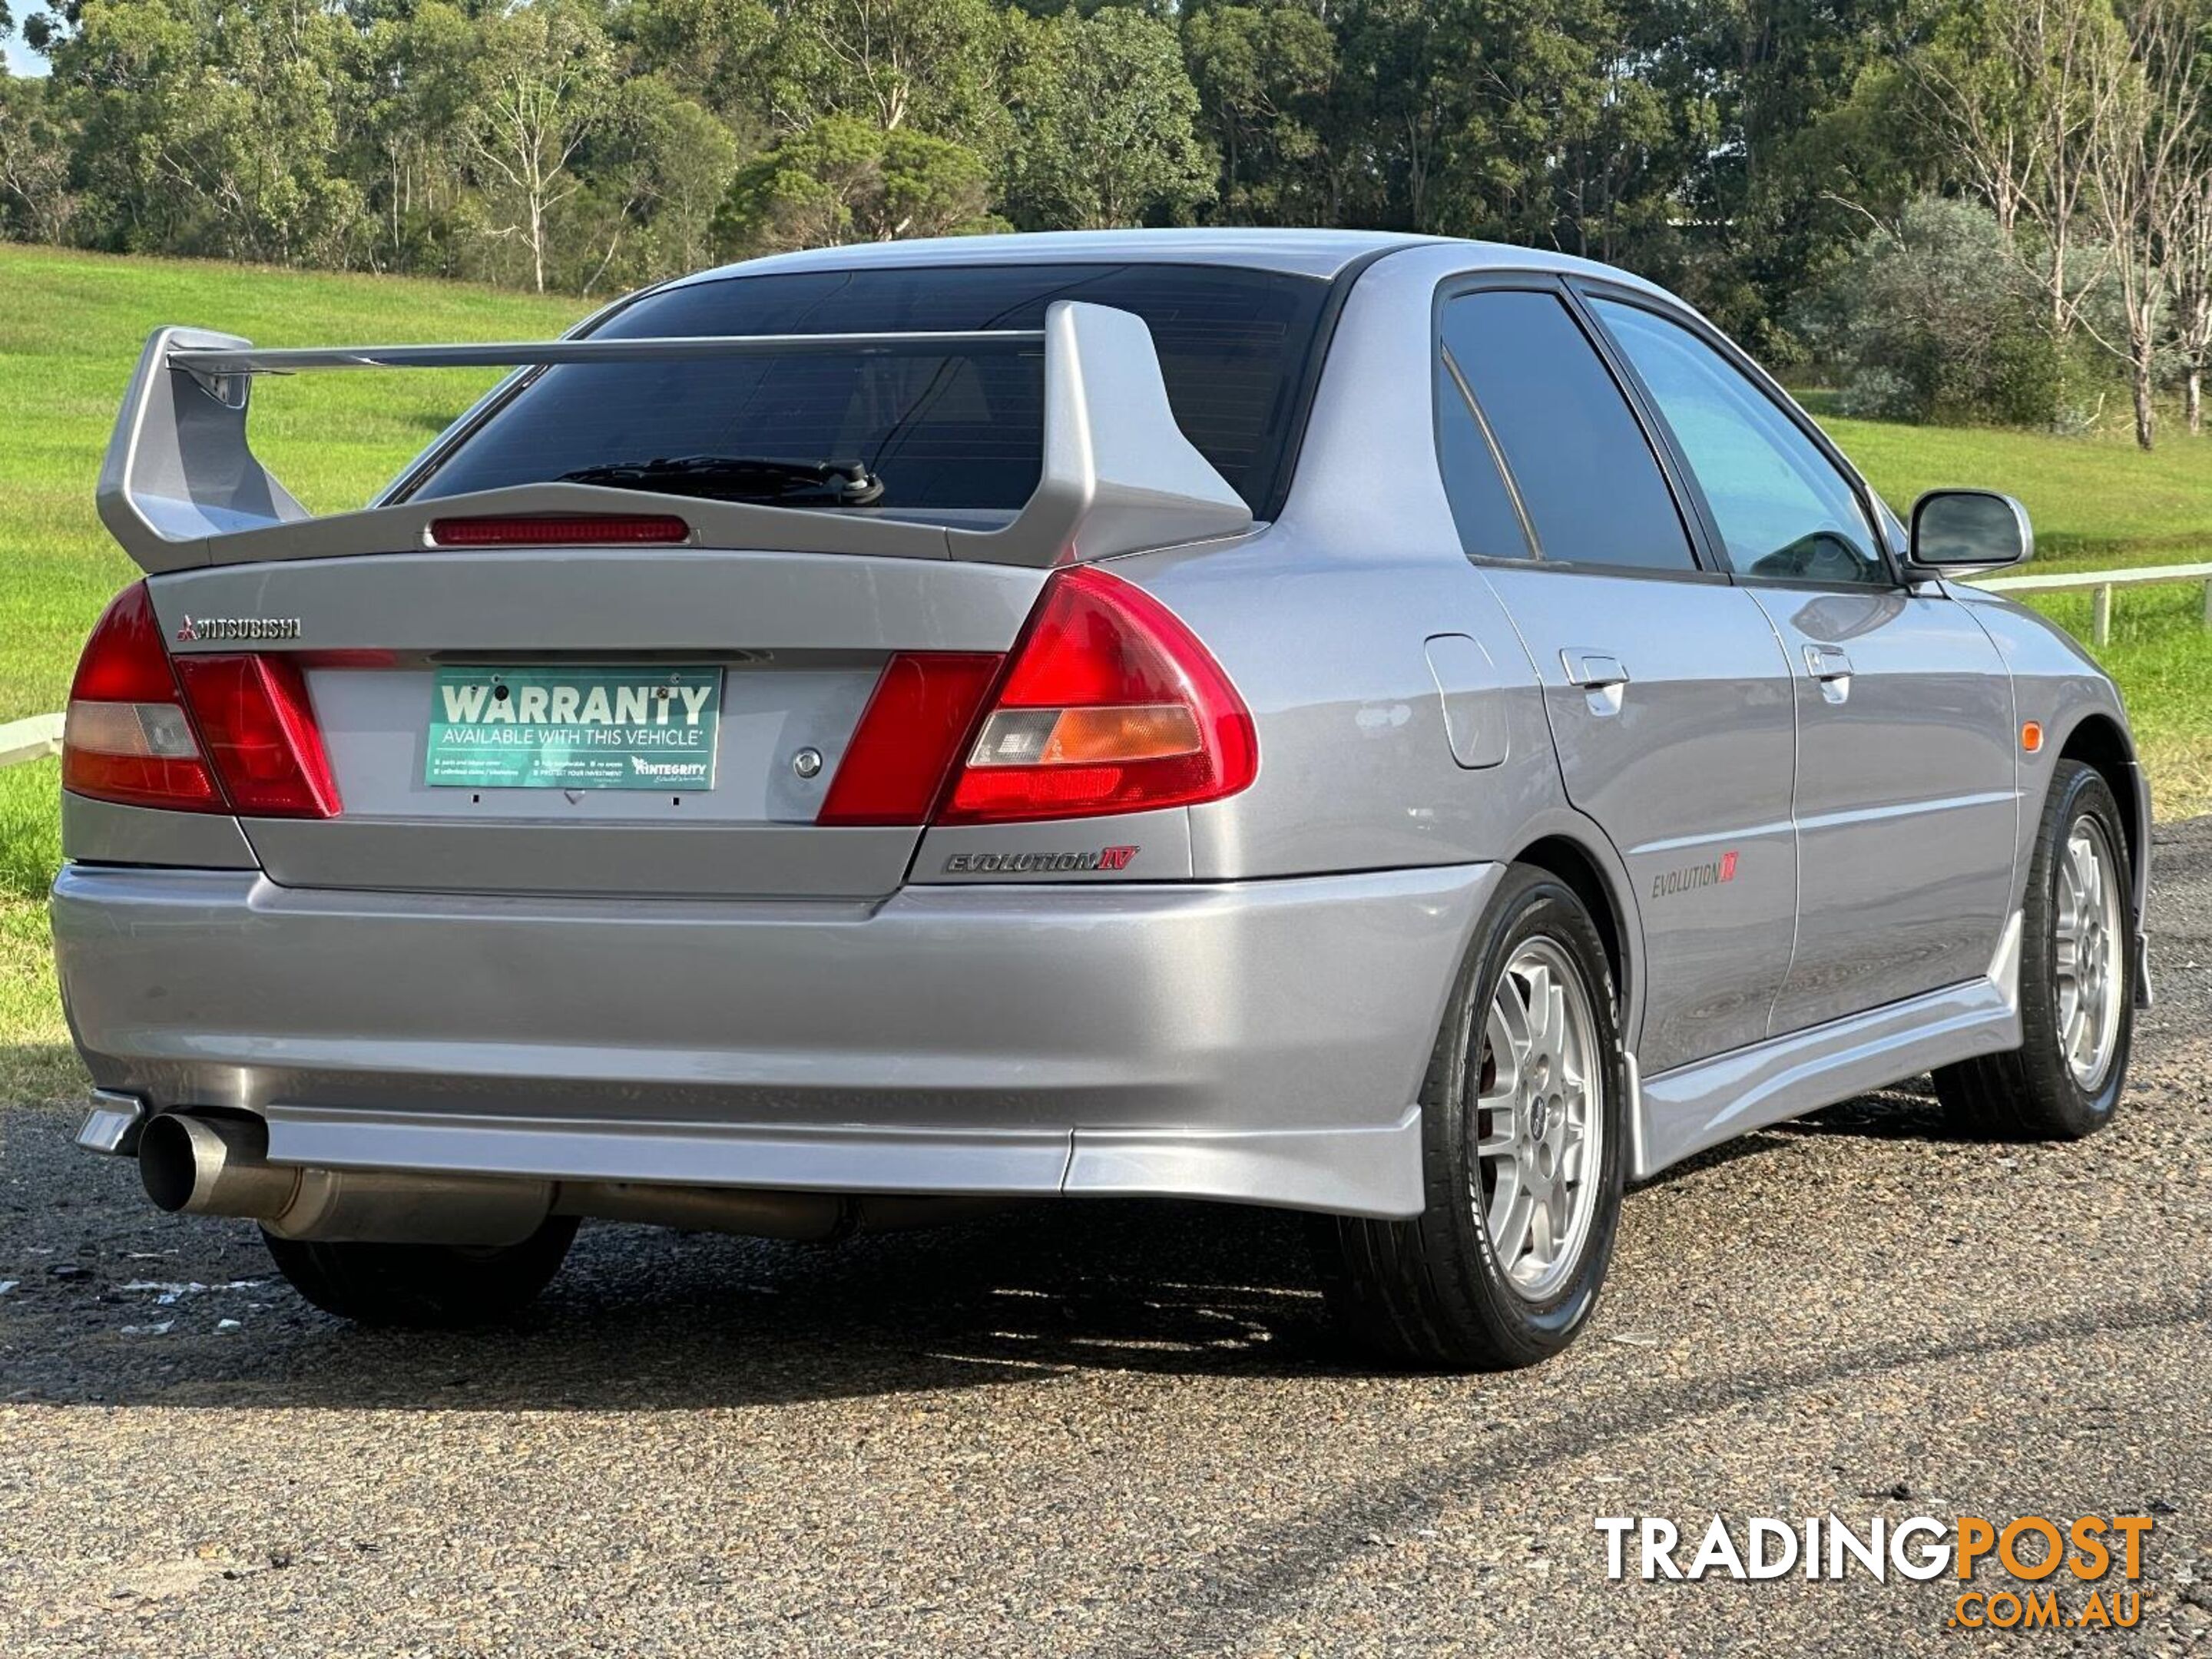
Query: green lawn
point(2098, 503)
point(70, 328)
point(72, 325)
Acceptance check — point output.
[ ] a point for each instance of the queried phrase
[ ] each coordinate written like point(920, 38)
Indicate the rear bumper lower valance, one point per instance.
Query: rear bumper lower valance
point(1262, 1041)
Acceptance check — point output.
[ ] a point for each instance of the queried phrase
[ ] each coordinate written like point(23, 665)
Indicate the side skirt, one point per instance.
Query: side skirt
point(1683, 1111)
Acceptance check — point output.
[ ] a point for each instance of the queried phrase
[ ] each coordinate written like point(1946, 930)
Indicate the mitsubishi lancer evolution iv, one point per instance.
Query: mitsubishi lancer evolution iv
point(1416, 731)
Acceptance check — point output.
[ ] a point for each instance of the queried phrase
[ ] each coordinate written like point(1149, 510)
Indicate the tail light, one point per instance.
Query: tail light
point(126, 736)
point(226, 732)
point(1108, 704)
point(261, 735)
point(923, 709)
point(1111, 705)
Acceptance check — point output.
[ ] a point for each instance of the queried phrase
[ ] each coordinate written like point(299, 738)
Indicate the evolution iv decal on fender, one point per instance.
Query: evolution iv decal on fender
point(1669, 882)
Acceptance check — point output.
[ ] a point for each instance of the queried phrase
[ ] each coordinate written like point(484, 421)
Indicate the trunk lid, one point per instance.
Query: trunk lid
point(791, 646)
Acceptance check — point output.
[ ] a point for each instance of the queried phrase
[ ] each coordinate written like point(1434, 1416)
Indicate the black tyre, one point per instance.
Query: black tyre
point(1523, 1149)
point(2076, 980)
point(431, 1287)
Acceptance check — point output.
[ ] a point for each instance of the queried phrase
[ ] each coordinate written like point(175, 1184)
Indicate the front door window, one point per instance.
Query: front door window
point(1782, 507)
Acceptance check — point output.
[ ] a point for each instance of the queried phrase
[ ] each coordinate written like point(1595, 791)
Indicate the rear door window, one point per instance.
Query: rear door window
point(1482, 506)
point(1585, 473)
point(946, 433)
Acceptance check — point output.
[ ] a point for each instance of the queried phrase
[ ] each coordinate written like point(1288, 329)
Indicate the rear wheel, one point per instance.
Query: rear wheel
point(435, 1286)
point(2076, 980)
point(1522, 1152)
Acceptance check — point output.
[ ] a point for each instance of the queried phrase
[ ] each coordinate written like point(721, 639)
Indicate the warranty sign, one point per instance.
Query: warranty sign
point(584, 728)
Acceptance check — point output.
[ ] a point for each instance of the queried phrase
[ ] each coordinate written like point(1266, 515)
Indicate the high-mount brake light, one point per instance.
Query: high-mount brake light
point(214, 733)
point(562, 530)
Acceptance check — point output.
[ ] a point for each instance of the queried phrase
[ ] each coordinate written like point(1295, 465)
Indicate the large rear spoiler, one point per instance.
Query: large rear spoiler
point(180, 486)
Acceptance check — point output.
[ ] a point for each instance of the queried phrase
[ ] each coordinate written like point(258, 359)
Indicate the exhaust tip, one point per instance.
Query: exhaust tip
point(166, 1166)
point(181, 1158)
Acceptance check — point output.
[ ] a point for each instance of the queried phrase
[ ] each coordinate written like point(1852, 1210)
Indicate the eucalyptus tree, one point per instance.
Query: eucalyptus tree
point(210, 126)
point(1105, 125)
point(37, 200)
point(2147, 165)
point(844, 180)
point(544, 80)
point(1264, 74)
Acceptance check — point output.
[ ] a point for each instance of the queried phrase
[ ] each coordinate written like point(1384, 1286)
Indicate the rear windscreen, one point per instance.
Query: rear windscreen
point(957, 431)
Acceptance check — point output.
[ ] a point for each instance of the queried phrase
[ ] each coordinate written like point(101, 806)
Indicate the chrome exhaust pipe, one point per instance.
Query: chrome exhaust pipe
point(212, 1164)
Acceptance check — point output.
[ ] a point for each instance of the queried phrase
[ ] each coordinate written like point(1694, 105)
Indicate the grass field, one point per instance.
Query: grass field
point(70, 328)
point(2097, 502)
point(72, 325)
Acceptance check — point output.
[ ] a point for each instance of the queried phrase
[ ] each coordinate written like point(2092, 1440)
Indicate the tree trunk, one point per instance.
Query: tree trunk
point(2192, 400)
point(2140, 375)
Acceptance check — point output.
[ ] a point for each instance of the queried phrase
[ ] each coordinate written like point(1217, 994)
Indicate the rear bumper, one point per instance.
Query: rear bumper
point(1259, 1041)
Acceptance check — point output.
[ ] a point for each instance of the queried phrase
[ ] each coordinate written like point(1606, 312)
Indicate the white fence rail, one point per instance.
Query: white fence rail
point(2104, 581)
point(32, 739)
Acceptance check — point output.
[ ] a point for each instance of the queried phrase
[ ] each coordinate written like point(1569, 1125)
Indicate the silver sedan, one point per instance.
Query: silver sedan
point(1419, 732)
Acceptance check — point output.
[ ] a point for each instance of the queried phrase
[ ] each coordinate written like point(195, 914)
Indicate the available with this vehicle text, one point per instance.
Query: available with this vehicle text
point(1419, 732)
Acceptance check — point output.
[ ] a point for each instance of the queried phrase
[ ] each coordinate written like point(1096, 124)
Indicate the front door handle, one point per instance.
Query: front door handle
point(1600, 674)
point(1831, 664)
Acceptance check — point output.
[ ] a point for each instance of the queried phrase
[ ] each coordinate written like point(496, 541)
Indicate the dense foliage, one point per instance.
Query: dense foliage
point(2000, 209)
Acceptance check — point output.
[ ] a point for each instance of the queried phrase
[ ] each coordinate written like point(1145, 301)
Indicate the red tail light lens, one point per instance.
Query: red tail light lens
point(261, 735)
point(1111, 705)
point(126, 736)
point(214, 733)
point(922, 710)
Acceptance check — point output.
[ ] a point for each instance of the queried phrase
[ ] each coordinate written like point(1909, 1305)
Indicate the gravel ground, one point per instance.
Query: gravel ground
point(1118, 1430)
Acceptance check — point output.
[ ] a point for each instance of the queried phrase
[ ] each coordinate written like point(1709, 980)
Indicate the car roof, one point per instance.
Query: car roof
point(1317, 253)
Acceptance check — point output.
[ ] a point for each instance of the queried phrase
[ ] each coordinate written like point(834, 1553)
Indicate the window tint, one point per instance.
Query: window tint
point(1781, 506)
point(1593, 489)
point(1489, 526)
point(959, 431)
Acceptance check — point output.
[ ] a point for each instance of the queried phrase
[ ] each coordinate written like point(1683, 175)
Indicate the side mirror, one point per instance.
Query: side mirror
point(1957, 530)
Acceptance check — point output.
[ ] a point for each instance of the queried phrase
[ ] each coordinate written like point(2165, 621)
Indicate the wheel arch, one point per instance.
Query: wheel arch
point(1600, 886)
point(2099, 741)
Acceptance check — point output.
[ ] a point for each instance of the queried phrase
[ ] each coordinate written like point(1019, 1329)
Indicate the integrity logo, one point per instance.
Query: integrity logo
point(673, 770)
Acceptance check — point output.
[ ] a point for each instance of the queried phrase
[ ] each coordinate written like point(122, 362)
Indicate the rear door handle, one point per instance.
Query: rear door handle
point(1593, 670)
point(1601, 676)
point(1831, 665)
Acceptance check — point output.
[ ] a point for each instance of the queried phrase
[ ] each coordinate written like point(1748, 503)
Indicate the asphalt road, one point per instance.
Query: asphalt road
point(1120, 1429)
